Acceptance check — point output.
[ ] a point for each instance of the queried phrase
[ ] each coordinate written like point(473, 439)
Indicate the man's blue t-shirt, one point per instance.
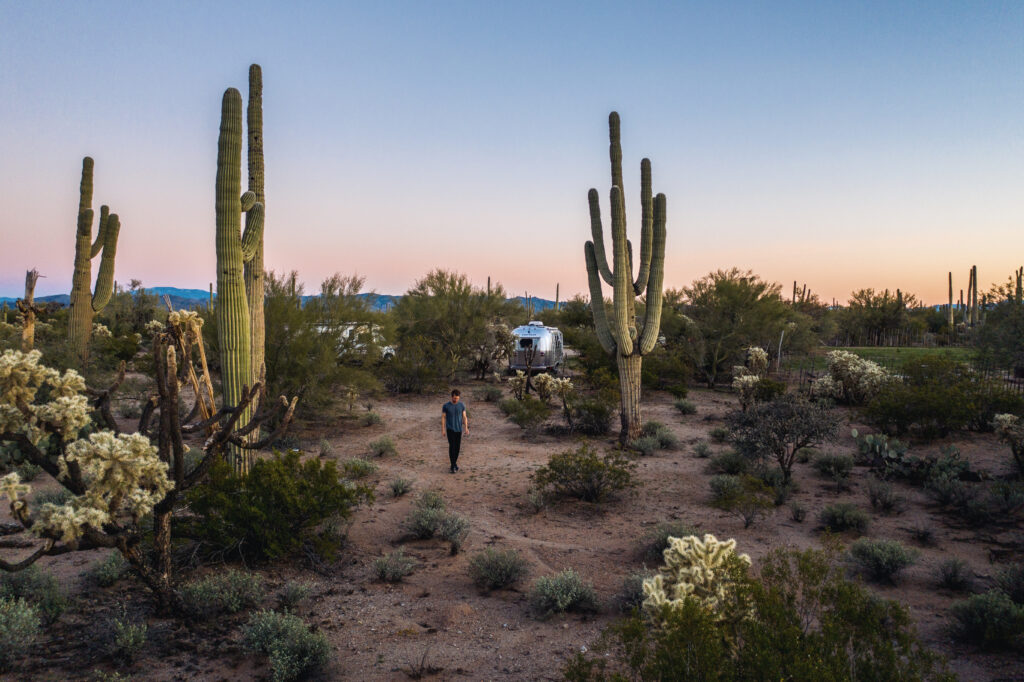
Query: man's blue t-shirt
point(453, 415)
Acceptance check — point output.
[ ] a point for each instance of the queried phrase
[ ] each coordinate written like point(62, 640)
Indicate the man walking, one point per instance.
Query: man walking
point(454, 423)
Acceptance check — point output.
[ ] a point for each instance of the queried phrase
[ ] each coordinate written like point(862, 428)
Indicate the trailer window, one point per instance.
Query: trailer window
point(526, 343)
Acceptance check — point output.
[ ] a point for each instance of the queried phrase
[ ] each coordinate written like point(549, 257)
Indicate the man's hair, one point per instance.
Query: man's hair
point(455, 392)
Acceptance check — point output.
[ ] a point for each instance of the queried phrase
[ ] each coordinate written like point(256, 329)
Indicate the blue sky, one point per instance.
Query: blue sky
point(845, 145)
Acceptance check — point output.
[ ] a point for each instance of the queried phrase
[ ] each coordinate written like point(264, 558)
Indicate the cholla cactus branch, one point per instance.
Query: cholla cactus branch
point(703, 570)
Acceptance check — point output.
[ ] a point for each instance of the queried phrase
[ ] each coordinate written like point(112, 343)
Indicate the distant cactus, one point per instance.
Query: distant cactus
point(29, 311)
point(949, 313)
point(233, 251)
point(84, 302)
point(620, 335)
point(1019, 293)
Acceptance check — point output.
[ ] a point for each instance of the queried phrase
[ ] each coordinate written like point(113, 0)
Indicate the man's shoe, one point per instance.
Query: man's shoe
point(456, 468)
point(452, 470)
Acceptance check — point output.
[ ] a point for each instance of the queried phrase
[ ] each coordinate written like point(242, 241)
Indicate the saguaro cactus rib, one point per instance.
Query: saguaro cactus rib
point(620, 335)
point(85, 303)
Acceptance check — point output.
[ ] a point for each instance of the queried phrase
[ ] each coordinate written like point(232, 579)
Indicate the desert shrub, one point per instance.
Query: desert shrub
point(108, 570)
point(998, 502)
point(324, 448)
point(1011, 581)
point(493, 569)
point(702, 449)
point(685, 406)
point(843, 516)
point(394, 566)
point(805, 455)
point(883, 496)
point(835, 466)
point(274, 510)
point(37, 587)
point(59, 496)
point(293, 593)
point(371, 418)
point(528, 413)
point(744, 496)
point(19, 627)
point(797, 512)
point(656, 540)
point(923, 535)
point(411, 370)
point(660, 432)
point(948, 491)
point(27, 471)
point(489, 394)
point(954, 574)
point(719, 434)
point(592, 417)
point(383, 446)
point(729, 462)
point(565, 591)
point(780, 488)
point(293, 648)
point(645, 445)
point(357, 467)
point(453, 529)
point(430, 518)
point(536, 500)
point(222, 593)
point(127, 636)
point(631, 595)
point(1010, 429)
point(881, 560)
point(991, 620)
point(582, 474)
point(400, 486)
point(801, 619)
point(776, 430)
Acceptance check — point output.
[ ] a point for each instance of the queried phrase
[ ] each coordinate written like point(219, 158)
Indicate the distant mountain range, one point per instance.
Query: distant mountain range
point(186, 298)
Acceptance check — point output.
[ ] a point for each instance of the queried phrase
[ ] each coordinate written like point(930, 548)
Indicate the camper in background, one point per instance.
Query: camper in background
point(537, 347)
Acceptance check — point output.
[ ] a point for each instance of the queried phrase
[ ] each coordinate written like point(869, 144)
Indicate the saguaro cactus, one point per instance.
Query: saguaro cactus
point(27, 308)
point(949, 312)
point(1019, 293)
point(84, 302)
point(620, 335)
point(233, 251)
point(254, 266)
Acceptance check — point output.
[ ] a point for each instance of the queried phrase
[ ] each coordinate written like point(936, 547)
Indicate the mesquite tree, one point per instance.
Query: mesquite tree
point(116, 480)
point(621, 335)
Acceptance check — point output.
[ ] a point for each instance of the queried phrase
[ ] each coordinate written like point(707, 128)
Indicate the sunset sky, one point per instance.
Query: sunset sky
point(845, 145)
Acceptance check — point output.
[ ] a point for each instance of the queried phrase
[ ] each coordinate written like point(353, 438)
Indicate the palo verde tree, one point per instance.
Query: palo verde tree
point(86, 302)
point(620, 335)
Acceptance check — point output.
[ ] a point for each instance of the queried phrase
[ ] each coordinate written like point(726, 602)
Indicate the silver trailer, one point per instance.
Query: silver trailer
point(538, 347)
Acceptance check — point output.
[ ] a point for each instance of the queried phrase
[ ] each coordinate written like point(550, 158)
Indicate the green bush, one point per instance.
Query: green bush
point(631, 596)
point(528, 413)
point(293, 648)
point(881, 560)
point(383, 446)
point(39, 588)
point(656, 540)
point(685, 406)
point(58, 497)
point(724, 487)
point(493, 569)
point(883, 496)
point(222, 593)
point(645, 445)
point(702, 449)
point(392, 567)
point(582, 474)
point(843, 516)
point(400, 486)
point(744, 496)
point(593, 417)
point(565, 591)
point(802, 620)
point(19, 627)
point(1011, 581)
point(489, 394)
point(357, 467)
point(127, 636)
point(923, 535)
point(453, 529)
point(835, 466)
point(729, 462)
point(108, 570)
point(797, 512)
point(430, 518)
point(27, 471)
point(662, 434)
point(719, 434)
point(293, 593)
point(954, 574)
point(371, 418)
point(991, 620)
point(275, 510)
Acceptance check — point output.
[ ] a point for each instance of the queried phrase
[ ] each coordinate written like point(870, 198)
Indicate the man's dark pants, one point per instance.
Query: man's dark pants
point(454, 442)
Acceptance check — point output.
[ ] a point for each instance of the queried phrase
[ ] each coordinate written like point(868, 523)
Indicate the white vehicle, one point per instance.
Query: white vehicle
point(354, 336)
point(537, 347)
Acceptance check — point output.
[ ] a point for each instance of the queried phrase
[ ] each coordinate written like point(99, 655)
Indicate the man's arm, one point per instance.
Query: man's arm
point(444, 423)
point(465, 421)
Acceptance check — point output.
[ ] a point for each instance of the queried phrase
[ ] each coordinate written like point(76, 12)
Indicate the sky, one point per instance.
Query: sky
point(841, 144)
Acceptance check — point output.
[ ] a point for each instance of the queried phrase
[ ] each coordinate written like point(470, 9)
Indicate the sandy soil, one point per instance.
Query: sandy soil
point(437, 620)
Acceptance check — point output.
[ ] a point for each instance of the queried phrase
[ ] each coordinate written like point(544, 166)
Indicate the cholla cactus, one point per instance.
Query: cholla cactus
point(154, 327)
point(22, 379)
point(100, 331)
point(1010, 430)
point(704, 570)
point(518, 385)
point(746, 387)
point(757, 361)
point(851, 379)
point(544, 385)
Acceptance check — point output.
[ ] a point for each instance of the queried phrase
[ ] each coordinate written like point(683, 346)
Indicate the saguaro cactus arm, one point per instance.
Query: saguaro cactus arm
point(646, 233)
point(253, 235)
point(604, 334)
point(105, 278)
point(656, 264)
point(624, 327)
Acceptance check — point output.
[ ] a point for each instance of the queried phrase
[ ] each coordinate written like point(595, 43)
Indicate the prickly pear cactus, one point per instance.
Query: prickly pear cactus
point(85, 303)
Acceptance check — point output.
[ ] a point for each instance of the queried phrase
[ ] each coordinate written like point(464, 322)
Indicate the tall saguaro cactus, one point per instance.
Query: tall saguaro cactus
point(254, 266)
point(620, 334)
point(85, 303)
point(233, 251)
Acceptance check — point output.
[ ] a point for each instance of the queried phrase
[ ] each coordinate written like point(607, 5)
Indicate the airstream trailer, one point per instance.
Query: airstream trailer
point(538, 347)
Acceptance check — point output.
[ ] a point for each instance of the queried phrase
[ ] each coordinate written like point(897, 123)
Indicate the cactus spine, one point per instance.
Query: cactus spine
point(254, 267)
point(620, 335)
point(84, 302)
point(233, 251)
